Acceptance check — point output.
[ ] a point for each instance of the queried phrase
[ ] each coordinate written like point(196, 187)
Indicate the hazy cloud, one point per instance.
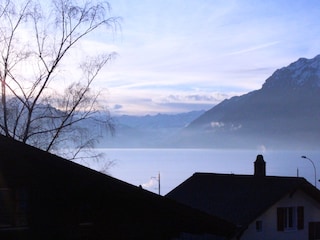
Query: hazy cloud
point(117, 106)
point(153, 102)
point(254, 48)
point(195, 98)
point(235, 127)
point(153, 182)
point(216, 124)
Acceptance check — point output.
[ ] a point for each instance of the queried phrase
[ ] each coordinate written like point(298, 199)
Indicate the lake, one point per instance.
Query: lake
point(142, 166)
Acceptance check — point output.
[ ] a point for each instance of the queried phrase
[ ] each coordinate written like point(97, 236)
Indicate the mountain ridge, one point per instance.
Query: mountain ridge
point(287, 106)
point(147, 131)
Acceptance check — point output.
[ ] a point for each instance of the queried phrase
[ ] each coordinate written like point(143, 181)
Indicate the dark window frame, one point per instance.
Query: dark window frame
point(290, 218)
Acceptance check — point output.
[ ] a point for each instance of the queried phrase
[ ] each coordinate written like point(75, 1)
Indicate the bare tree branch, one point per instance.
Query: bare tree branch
point(35, 43)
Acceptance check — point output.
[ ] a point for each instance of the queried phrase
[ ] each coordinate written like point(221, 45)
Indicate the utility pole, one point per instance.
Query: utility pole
point(159, 183)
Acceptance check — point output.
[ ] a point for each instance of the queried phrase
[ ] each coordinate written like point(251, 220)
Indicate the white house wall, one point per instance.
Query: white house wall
point(269, 219)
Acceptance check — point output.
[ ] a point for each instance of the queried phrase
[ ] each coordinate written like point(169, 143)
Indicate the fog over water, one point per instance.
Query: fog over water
point(142, 166)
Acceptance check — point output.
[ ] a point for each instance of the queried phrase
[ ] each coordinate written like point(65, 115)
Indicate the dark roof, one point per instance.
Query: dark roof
point(65, 182)
point(237, 198)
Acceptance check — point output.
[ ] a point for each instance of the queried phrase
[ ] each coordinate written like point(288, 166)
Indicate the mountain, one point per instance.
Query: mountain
point(158, 121)
point(147, 131)
point(284, 113)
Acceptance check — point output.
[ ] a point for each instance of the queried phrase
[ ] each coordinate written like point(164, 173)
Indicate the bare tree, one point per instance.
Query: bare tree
point(38, 56)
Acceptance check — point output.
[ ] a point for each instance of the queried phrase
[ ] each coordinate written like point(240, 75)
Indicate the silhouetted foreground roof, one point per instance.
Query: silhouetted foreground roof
point(237, 198)
point(59, 187)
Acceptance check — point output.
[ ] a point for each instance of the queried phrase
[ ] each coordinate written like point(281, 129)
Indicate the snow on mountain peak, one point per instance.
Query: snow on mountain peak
point(303, 72)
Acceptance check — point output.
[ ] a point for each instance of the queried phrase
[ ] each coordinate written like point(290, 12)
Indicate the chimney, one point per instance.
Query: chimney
point(260, 167)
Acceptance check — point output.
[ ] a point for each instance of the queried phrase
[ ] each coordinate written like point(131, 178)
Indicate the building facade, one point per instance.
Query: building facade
point(296, 216)
point(262, 207)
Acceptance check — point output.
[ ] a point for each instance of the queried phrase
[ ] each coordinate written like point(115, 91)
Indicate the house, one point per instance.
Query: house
point(263, 207)
point(43, 196)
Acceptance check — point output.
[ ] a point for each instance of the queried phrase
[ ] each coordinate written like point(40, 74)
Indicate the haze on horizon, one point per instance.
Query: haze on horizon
point(177, 56)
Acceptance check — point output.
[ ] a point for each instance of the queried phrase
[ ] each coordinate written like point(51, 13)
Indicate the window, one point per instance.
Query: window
point(259, 226)
point(314, 230)
point(290, 218)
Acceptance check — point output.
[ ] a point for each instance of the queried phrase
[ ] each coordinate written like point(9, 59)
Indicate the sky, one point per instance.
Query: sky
point(177, 56)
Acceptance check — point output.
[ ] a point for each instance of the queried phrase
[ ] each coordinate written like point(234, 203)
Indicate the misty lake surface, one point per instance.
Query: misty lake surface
point(143, 166)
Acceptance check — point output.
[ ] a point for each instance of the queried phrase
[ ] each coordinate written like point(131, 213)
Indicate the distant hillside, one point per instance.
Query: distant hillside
point(147, 131)
point(284, 113)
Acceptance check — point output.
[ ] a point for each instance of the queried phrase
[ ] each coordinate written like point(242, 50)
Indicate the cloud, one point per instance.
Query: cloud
point(262, 148)
point(117, 106)
point(254, 48)
point(153, 101)
point(211, 98)
point(235, 127)
point(217, 124)
point(151, 183)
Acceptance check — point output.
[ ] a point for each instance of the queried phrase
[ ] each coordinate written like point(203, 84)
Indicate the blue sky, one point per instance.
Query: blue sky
point(182, 55)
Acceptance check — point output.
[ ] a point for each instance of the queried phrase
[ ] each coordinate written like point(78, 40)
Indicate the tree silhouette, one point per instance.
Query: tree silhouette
point(46, 84)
